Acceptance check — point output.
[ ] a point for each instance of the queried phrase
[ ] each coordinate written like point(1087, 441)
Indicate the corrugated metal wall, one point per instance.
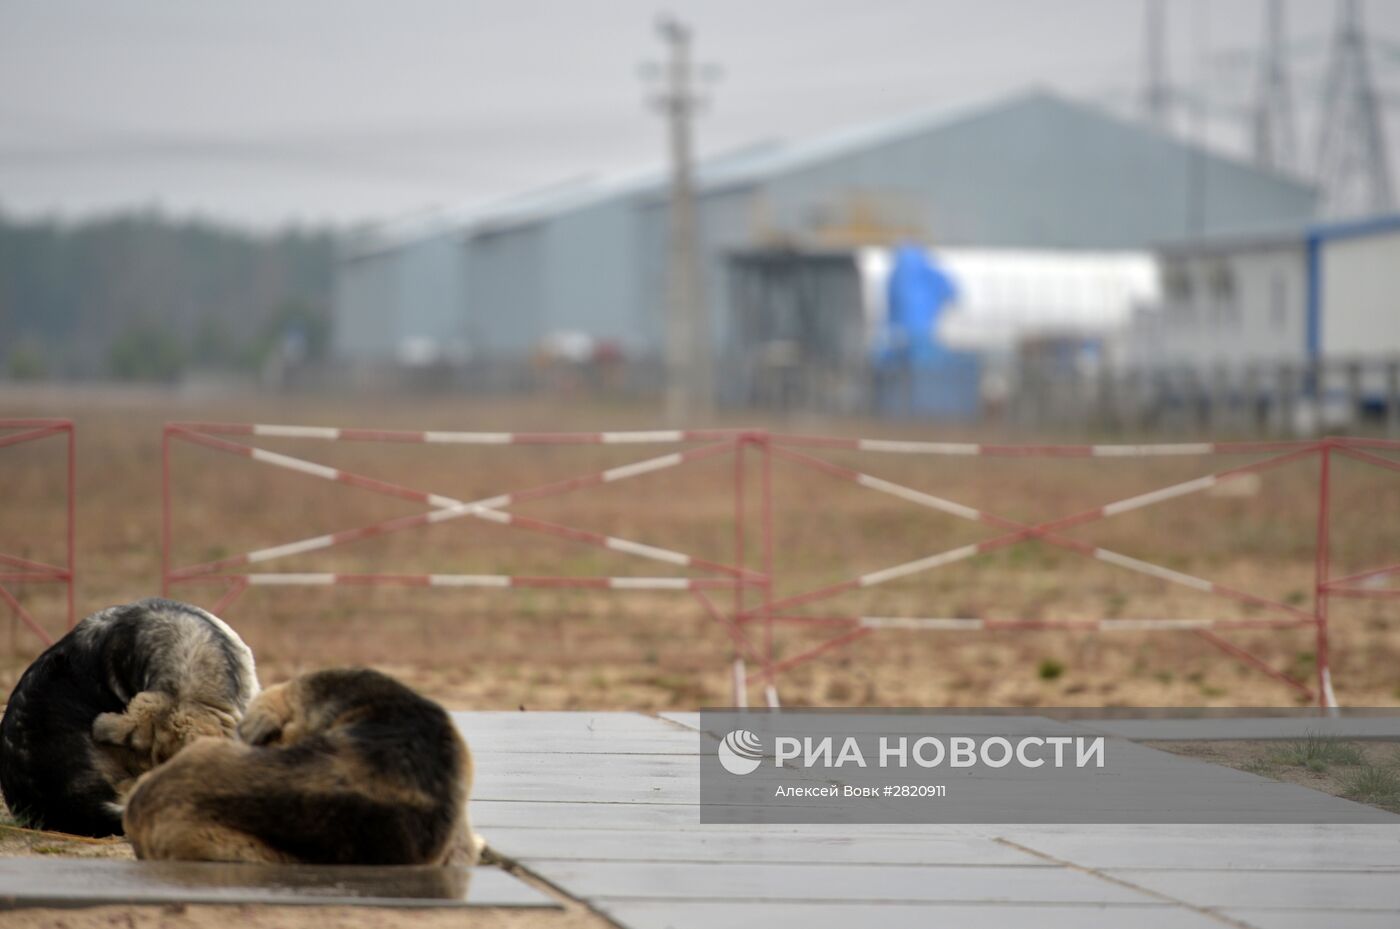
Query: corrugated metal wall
point(1040, 173)
point(366, 307)
point(590, 276)
point(505, 291)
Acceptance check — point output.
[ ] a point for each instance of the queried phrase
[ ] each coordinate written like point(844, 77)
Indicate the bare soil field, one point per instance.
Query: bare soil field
point(648, 650)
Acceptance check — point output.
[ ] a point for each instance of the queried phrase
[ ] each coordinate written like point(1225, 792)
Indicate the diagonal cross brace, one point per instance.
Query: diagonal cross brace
point(448, 508)
point(1023, 531)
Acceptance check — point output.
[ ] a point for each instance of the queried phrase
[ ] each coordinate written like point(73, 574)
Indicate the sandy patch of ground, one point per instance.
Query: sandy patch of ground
point(294, 917)
point(18, 842)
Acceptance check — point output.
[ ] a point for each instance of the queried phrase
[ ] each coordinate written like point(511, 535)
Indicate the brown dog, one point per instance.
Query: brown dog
point(334, 767)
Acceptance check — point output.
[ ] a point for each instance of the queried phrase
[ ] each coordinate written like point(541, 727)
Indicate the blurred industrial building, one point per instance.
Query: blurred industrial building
point(1039, 213)
point(1035, 259)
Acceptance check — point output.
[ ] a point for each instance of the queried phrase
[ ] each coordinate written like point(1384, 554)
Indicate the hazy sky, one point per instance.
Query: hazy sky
point(265, 111)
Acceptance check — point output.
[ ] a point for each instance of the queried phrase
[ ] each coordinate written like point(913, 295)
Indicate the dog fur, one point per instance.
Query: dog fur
point(344, 766)
point(125, 690)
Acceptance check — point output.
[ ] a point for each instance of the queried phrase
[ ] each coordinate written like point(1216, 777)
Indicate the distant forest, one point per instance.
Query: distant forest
point(147, 297)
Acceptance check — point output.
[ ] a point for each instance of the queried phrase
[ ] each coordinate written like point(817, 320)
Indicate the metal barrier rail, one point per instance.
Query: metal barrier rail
point(20, 570)
point(743, 580)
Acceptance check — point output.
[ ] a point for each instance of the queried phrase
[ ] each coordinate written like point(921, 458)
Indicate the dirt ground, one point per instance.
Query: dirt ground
point(19, 842)
point(281, 917)
point(1364, 771)
point(639, 650)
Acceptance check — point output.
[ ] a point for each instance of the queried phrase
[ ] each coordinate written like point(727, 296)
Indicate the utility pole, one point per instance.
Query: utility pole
point(1353, 165)
point(1156, 92)
point(1275, 135)
point(690, 384)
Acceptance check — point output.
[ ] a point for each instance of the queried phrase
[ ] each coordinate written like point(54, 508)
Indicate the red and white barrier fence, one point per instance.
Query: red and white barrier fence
point(750, 584)
point(15, 569)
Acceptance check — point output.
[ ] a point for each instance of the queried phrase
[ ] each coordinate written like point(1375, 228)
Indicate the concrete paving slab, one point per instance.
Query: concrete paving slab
point(560, 722)
point(766, 915)
point(602, 880)
point(1188, 788)
point(635, 766)
point(1312, 919)
point(723, 844)
point(1144, 730)
point(593, 743)
point(602, 784)
point(1262, 832)
point(626, 814)
point(76, 882)
point(620, 829)
point(1332, 890)
point(1281, 849)
point(662, 817)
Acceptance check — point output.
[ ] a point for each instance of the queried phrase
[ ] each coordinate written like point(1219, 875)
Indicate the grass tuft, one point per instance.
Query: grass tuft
point(1317, 753)
point(1050, 669)
point(1373, 784)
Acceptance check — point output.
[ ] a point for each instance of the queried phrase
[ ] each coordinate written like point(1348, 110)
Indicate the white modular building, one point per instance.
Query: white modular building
point(1007, 296)
point(1295, 296)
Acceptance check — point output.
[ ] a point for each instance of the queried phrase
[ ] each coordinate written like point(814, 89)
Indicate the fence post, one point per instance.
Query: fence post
point(741, 686)
point(1284, 413)
point(1313, 394)
point(1249, 415)
point(1325, 697)
point(1392, 398)
point(741, 683)
point(771, 690)
point(1222, 406)
point(1107, 412)
point(1353, 392)
point(165, 511)
point(1201, 402)
point(72, 519)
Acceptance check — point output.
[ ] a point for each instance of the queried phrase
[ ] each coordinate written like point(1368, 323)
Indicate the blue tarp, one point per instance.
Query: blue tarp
point(916, 374)
point(918, 293)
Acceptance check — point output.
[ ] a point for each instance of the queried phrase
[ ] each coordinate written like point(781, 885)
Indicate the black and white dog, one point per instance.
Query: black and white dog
point(123, 691)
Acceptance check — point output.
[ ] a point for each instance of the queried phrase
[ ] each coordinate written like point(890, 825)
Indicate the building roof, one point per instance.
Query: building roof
point(764, 161)
point(1295, 235)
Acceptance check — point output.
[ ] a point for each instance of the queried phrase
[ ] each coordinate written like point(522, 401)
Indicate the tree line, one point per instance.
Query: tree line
point(144, 296)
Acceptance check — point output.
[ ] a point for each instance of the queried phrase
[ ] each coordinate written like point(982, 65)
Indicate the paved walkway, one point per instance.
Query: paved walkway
point(605, 807)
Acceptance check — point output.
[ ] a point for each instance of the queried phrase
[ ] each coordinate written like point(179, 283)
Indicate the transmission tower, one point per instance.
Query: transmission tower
point(1275, 132)
point(1156, 92)
point(1352, 163)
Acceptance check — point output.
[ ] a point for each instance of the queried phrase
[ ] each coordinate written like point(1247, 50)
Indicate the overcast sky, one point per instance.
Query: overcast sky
point(269, 111)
